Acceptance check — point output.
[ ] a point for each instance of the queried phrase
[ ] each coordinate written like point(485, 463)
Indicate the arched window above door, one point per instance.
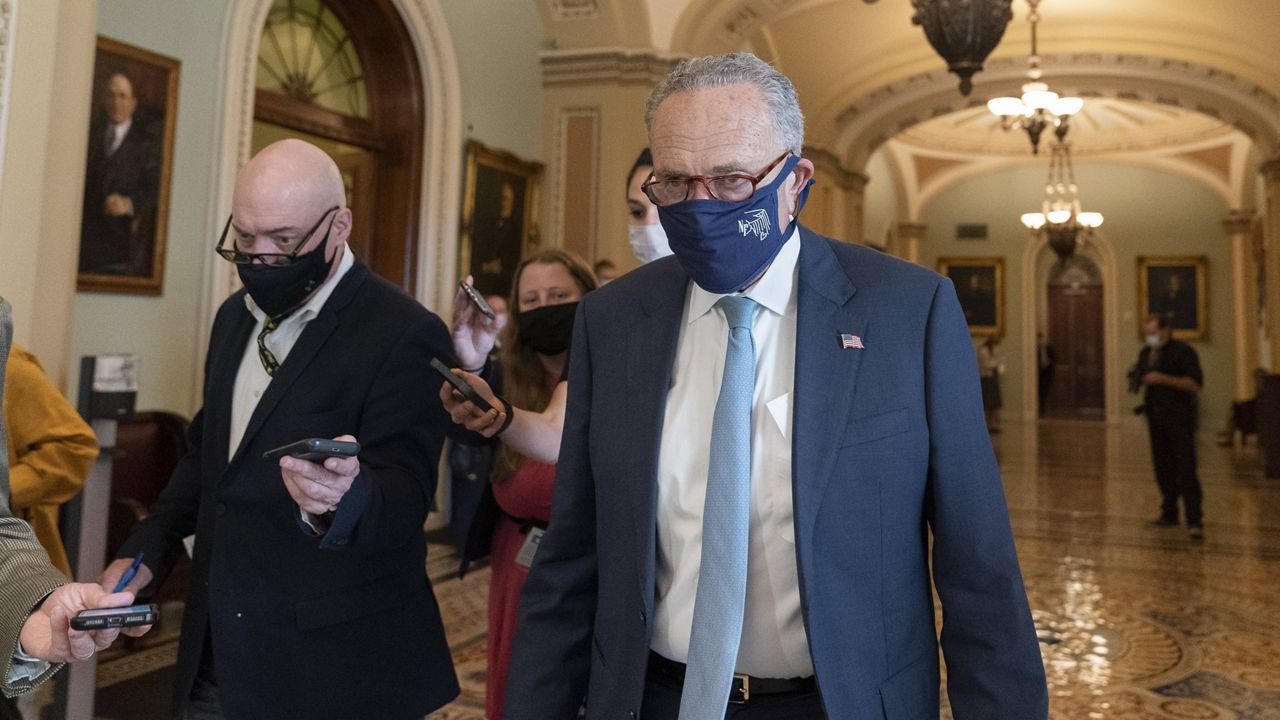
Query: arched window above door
point(307, 54)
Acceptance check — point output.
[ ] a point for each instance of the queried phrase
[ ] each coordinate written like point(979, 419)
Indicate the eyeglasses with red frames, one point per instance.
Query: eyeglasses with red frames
point(734, 187)
point(236, 255)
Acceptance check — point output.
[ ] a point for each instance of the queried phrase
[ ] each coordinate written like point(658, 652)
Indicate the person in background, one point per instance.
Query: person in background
point(537, 435)
point(1046, 359)
point(36, 601)
point(51, 450)
point(1171, 379)
point(605, 271)
point(772, 456)
point(531, 364)
point(308, 596)
point(989, 373)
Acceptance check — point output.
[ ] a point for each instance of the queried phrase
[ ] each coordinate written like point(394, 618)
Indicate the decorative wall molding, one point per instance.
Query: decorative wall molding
point(882, 113)
point(581, 187)
point(8, 20)
point(575, 9)
point(829, 164)
point(603, 65)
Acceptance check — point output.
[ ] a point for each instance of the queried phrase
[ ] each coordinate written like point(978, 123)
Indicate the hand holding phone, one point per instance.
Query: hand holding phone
point(478, 300)
point(314, 450)
point(121, 617)
point(460, 385)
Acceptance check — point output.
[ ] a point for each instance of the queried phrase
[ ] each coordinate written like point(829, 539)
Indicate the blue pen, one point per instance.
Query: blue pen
point(127, 577)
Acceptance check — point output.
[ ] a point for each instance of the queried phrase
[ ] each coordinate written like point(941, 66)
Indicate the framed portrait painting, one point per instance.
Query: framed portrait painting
point(1177, 287)
point(499, 219)
point(979, 286)
point(126, 189)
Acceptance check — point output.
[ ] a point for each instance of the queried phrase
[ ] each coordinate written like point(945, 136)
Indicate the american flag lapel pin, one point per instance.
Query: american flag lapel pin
point(851, 342)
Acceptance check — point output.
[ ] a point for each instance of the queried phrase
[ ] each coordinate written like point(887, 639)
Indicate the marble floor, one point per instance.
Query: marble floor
point(1136, 622)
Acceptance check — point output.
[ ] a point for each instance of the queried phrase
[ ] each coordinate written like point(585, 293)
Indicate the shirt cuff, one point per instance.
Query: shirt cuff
point(25, 666)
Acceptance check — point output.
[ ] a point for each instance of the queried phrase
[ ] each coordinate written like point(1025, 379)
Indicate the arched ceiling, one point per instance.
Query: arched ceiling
point(848, 58)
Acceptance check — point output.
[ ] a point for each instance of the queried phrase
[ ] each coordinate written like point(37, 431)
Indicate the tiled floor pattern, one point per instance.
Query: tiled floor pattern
point(1136, 623)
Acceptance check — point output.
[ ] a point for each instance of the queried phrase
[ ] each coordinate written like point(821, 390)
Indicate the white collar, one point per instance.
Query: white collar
point(313, 305)
point(773, 290)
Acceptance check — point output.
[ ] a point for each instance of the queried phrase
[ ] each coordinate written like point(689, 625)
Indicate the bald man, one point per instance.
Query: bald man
point(308, 596)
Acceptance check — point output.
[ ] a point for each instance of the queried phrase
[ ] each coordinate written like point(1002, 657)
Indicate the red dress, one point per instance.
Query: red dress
point(527, 494)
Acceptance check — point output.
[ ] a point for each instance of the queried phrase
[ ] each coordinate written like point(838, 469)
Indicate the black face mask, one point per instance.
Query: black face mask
point(278, 289)
point(548, 329)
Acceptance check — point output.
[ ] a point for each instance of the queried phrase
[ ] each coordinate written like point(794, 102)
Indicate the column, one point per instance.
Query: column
point(910, 234)
point(1271, 175)
point(854, 185)
point(1239, 228)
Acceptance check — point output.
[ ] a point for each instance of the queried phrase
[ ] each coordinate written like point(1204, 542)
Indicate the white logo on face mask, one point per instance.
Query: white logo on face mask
point(758, 225)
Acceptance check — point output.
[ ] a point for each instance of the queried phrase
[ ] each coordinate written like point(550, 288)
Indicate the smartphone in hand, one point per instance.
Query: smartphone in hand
point(460, 385)
point(314, 449)
point(103, 618)
point(478, 300)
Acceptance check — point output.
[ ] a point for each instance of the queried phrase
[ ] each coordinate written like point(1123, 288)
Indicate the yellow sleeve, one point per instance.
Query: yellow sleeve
point(50, 447)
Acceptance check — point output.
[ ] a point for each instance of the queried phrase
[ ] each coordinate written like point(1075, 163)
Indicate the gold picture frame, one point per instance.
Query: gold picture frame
point(1178, 286)
point(499, 216)
point(124, 226)
point(979, 284)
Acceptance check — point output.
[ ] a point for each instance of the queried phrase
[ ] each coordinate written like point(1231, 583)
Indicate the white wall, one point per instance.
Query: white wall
point(880, 204)
point(1147, 212)
point(497, 44)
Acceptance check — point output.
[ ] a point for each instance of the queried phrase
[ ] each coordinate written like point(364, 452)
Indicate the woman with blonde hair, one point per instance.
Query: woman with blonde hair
point(531, 363)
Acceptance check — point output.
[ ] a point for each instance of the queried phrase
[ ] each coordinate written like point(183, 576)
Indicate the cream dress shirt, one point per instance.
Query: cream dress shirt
point(774, 643)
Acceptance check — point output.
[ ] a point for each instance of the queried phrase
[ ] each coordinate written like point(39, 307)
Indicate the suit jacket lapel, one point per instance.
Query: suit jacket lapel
point(304, 351)
point(825, 375)
point(651, 354)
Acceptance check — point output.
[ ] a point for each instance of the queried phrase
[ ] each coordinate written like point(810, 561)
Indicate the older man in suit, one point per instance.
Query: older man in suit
point(121, 185)
point(36, 601)
point(308, 595)
point(762, 433)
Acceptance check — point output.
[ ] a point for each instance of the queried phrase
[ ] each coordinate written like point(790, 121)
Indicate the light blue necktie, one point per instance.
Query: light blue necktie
point(722, 576)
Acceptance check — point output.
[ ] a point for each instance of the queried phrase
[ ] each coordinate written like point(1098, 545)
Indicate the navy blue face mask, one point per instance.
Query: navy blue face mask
point(723, 245)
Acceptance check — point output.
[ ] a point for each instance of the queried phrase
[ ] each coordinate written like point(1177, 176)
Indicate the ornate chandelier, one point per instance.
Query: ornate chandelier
point(1039, 107)
point(1060, 217)
point(964, 32)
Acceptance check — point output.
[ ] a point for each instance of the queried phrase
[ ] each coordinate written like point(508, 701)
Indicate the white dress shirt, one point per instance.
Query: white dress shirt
point(115, 135)
point(252, 379)
point(774, 643)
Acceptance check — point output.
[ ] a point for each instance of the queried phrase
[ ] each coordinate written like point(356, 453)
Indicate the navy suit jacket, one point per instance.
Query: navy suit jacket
point(335, 626)
point(889, 444)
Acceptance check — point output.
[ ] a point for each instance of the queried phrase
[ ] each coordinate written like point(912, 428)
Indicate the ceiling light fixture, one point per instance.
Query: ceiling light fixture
point(1039, 107)
point(964, 32)
point(1060, 217)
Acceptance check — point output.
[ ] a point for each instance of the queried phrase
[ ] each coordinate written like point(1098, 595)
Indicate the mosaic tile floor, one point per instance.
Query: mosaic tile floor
point(1136, 623)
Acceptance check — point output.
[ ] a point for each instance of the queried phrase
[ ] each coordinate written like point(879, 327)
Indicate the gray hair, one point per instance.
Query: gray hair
point(733, 69)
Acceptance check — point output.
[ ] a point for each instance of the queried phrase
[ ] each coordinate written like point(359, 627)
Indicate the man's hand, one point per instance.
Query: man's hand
point(1185, 384)
point(48, 635)
point(465, 413)
point(317, 488)
point(117, 205)
point(473, 332)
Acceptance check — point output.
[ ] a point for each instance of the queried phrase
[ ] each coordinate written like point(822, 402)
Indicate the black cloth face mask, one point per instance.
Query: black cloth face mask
point(278, 289)
point(548, 329)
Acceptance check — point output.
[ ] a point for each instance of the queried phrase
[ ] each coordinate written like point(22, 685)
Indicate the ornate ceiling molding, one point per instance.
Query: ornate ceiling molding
point(603, 65)
point(886, 111)
point(575, 9)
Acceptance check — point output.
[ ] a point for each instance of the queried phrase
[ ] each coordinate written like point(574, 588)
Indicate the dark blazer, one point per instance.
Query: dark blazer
point(339, 626)
point(888, 445)
point(121, 245)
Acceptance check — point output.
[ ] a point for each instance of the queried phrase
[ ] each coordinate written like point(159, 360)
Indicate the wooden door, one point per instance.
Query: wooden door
point(1075, 332)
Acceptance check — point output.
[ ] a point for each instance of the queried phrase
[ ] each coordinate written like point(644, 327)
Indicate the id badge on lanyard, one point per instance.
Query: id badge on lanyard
point(524, 558)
